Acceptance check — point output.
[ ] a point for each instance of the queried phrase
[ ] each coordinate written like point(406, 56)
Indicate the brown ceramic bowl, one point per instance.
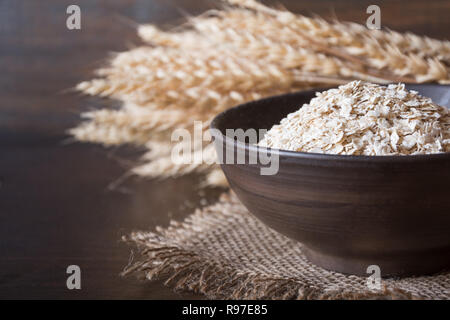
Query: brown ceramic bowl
point(348, 211)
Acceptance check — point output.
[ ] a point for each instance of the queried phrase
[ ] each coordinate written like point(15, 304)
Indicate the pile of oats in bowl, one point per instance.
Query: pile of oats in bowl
point(364, 119)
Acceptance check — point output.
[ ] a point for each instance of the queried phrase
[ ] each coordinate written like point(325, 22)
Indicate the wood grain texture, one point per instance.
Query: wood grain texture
point(55, 205)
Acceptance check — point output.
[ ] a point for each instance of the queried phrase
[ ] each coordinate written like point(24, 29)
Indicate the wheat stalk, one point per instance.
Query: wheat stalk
point(420, 58)
point(226, 57)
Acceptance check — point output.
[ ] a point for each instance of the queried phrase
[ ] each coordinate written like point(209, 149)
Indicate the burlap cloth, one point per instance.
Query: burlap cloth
point(223, 252)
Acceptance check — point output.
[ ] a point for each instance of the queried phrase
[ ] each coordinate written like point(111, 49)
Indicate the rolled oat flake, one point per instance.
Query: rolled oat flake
point(361, 118)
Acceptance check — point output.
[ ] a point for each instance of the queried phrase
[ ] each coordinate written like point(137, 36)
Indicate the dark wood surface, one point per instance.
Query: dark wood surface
point(56, 204)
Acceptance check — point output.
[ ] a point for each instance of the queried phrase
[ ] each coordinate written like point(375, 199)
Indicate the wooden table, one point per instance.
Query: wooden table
point(57, 207)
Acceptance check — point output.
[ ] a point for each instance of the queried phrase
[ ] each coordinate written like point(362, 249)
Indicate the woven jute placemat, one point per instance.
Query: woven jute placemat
point(223, 252)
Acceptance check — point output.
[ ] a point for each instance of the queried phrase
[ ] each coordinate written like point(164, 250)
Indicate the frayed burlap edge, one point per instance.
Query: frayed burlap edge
point(186, 271)
point(163, 256)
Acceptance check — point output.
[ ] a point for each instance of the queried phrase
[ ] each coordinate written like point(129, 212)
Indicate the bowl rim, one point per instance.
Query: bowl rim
point(312, 155)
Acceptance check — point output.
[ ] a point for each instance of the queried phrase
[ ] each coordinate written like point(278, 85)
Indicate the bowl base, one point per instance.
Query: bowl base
point(390, 266)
